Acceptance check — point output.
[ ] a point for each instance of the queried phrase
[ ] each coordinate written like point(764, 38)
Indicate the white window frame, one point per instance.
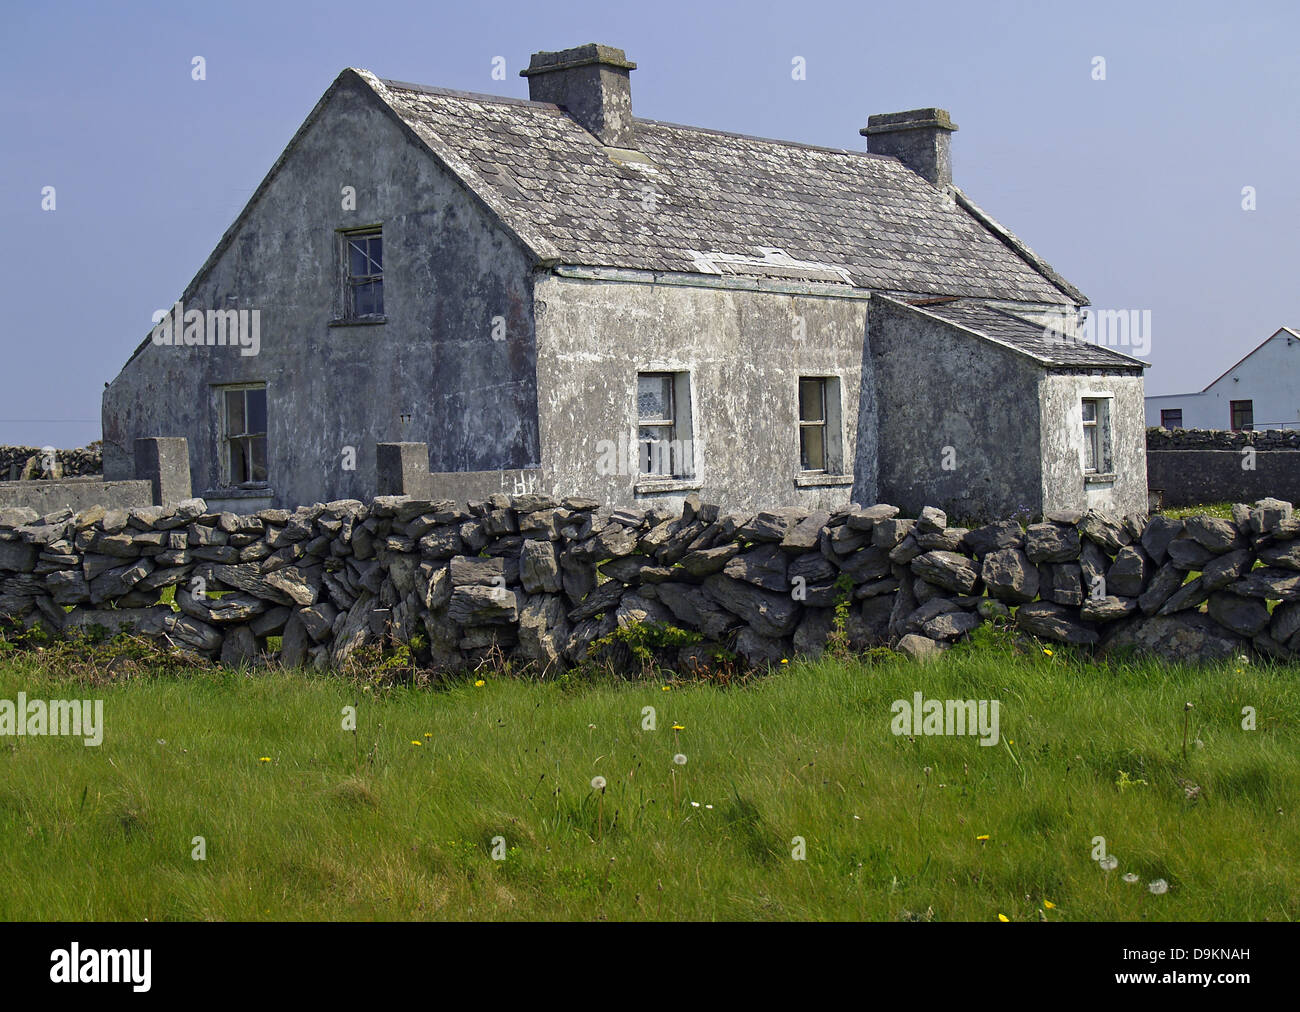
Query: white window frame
point(683, 464)
point(832, 425)
point(1098, 434)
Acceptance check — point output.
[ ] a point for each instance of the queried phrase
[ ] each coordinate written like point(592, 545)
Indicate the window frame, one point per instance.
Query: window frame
point(1171, 411)
point(245, 439)
point(1098, 434)
point(348, 283)
point(681, 463)
point(821, 423)
point(1233, 409)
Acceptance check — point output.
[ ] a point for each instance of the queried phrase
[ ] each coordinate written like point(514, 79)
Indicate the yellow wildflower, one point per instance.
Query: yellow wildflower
point(1003, 918)
point(264, 759)
point(985, 836)
point(1049, 904)
point(480, 682)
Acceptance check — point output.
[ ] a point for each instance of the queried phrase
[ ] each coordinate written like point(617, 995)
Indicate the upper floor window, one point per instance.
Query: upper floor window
point(243, 435)
point(363, 274)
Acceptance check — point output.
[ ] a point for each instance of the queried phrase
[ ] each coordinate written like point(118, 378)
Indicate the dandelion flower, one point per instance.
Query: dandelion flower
point(982, 836)
point(264, 759)
point(679, 727)
point(597, 783)
point(428, 734)
point(1159, 887)
point(1003, 918)
point(1109, 863)
point(665, 688)
point(1049, 904)
point(1046, 651)
point(679, 759)
point(785, 660)
point(1130, 877)
point(417, 742)
point(479, 683)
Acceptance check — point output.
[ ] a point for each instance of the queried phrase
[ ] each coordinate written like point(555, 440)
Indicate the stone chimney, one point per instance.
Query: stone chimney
point(918, 139)
point(591, 83)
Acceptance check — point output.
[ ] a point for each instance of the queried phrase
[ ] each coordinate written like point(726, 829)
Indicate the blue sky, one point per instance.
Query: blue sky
point(1131, 186)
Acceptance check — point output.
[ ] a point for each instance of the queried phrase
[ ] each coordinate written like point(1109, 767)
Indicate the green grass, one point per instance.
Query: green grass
point(338, 825)
point(1222, 510)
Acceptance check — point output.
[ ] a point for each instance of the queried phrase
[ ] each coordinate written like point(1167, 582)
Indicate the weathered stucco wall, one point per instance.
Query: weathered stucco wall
point(448, 272)
point(744, 359)
point(955, 418)
point(1061, 412)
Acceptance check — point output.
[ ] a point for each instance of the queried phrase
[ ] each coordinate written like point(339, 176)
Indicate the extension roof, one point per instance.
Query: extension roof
point(1033, 338)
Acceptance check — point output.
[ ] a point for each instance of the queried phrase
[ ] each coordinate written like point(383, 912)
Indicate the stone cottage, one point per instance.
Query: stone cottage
point(630, 310)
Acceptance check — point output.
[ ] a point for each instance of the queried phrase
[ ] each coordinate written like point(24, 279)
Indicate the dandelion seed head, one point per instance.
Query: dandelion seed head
point(597, 783)
point(1109, 863)
point(1130, 877)
point(1159, 887)
point(679, 759)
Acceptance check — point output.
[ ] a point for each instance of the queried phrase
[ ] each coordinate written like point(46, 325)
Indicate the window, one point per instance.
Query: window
point(812, 424)
point(1096, 435)
point(363, 274)
point(243, 428)
point(664, 424)
point(820, 442)
point(1171, 418)
point(1243, 414)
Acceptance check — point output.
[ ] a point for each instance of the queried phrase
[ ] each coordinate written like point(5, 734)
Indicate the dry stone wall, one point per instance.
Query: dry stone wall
point(1190, 467)
point(540, 579)
point(70, 463)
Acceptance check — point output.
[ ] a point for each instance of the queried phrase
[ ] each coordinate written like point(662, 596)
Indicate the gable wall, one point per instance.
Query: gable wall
point(448, 273)
point(938, 387)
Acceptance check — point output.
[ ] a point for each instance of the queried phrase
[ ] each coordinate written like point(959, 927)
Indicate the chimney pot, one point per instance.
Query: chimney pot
point(917, 138)
point(591, 83)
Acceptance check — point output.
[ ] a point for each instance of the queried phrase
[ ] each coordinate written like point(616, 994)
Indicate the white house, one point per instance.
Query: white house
point(1262, 391)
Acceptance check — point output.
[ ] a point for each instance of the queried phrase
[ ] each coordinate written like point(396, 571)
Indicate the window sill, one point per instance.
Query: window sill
point(235, 492)
point(649, 486)
point(1096, 478)
point(360, 321)
point(819, 479)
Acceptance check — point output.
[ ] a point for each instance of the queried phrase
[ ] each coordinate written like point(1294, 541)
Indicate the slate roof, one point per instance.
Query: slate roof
point(575, 202)
point(1031, 338)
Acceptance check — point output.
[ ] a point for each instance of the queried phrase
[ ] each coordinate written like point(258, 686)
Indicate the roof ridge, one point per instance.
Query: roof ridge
point(476, 96)
point(767, 140)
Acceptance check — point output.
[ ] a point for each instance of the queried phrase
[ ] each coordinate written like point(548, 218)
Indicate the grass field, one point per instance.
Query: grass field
point(302, 819)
